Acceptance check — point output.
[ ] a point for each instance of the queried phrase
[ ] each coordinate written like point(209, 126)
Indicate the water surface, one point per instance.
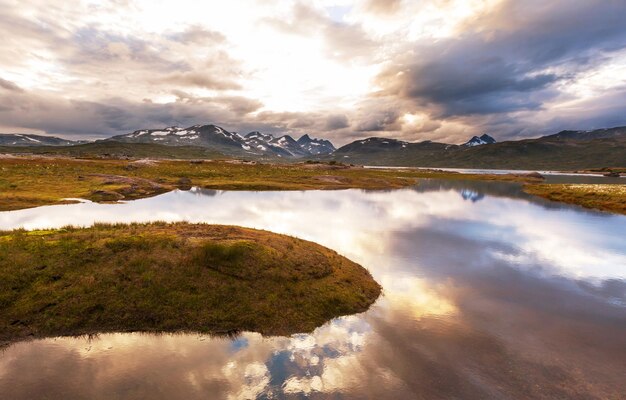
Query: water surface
point(488, 293)
point(550, 176)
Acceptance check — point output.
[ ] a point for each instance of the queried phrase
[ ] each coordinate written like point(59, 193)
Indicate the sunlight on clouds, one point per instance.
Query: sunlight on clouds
point(300, 62)
point(288, 71)
point(589, 84)
point(424, 19)
point(444, 19)
point(416, 297)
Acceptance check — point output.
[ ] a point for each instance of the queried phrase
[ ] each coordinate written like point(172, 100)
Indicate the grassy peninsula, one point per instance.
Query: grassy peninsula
point(610, 198)
point(172, 277)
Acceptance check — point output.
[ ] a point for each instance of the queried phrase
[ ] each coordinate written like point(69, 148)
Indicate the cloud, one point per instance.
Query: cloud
point(384, 7)
point(341, 40)
point(237, 104)
point(379, 121)
point(509, 60)
point(199, 79)
point(504, 67)
point(200, 35)
point(8, 85)
point(337, 121)
point(436, 70)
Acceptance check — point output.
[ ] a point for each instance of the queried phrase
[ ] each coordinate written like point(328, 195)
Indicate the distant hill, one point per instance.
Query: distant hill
point(609, 133)
point(23, 139)
point(564, 150)
point(112, 149)
point(254, 144)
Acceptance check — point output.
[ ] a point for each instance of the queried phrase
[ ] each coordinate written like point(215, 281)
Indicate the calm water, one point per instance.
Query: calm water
point(550, 176)
point(488, 293)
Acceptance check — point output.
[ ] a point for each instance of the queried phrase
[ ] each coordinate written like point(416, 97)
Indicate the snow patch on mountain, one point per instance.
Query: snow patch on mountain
point(213, 136)
point(480, 140)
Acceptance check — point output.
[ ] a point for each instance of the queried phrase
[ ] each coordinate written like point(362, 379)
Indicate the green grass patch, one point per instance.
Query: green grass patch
point(169, 278)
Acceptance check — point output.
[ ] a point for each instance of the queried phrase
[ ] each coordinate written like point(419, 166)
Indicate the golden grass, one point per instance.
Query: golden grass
point(35, 181)
point(172, 277)
point(602, 197)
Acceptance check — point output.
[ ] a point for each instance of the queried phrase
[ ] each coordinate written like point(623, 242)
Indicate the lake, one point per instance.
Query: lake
point(487, 293)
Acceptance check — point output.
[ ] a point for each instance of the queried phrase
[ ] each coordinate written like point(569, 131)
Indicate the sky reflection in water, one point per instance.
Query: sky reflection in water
point(487, 293)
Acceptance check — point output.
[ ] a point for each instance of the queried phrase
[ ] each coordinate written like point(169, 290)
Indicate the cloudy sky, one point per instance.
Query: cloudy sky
point(409, 69)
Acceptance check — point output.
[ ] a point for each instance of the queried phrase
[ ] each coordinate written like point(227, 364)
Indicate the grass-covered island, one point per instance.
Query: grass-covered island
point(172, 278)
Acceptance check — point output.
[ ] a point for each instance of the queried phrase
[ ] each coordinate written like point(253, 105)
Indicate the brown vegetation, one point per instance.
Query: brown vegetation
point(172, 277)
point(610, 198)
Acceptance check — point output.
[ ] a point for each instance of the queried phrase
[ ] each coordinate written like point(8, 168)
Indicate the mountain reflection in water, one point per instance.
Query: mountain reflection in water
point(507, 297)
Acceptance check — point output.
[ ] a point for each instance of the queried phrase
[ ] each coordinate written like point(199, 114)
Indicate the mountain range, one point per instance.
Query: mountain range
point(231, 143)
point(20, 139)
point(564, 150)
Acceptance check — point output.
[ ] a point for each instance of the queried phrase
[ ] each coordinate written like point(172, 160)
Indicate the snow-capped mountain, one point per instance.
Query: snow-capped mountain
point(19, 139)
point(254, 143)
point(478, 141)
point(316, 146)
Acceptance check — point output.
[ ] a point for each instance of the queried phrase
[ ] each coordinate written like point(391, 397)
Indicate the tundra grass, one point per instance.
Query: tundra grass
point(170, 278)
point(35, 181)
point(611, 198)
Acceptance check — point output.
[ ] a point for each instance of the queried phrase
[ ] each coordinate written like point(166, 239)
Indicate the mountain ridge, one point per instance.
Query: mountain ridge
point(254, 143)
point(568, 149)
point(28, 139)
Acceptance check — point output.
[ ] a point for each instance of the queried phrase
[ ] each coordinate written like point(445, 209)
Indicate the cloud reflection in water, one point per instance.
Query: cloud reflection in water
point(509, 296)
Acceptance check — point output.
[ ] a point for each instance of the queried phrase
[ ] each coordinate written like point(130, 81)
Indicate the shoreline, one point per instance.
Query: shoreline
point(27, 182)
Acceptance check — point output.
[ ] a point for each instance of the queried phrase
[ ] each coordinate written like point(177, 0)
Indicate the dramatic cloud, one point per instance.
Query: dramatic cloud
point(340, 69)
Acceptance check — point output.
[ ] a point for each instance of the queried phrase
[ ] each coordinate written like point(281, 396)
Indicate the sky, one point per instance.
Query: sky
point(440, 70)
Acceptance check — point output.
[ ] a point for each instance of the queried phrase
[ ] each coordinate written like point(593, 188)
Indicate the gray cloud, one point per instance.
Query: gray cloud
point(8, 85)
point(380, 120)
point(509, 60)
point(200, 80)
point(506, 66)
point(337, 121)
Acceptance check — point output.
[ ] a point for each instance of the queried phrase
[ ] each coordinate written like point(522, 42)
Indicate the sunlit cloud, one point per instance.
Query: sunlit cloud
point(428, 70)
